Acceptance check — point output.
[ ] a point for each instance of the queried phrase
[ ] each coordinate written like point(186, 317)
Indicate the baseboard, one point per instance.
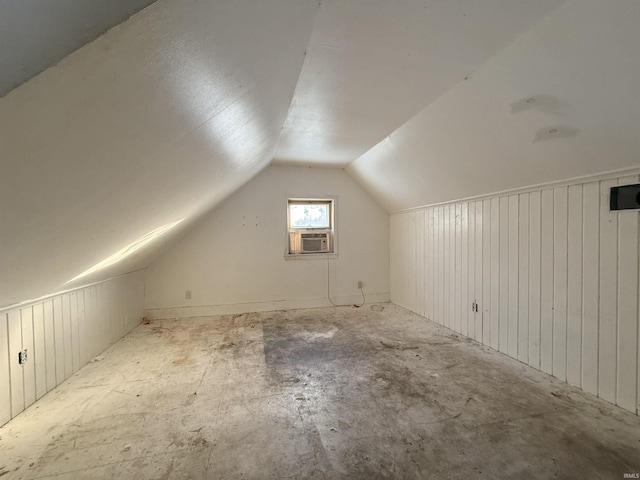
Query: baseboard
point(226, 309)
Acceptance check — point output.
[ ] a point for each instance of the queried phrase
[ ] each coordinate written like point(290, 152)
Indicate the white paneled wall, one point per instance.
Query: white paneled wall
point(61, 334)
point(553, 271)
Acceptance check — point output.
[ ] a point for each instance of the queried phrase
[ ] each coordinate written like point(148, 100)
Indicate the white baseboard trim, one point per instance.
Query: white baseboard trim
point(227, 309)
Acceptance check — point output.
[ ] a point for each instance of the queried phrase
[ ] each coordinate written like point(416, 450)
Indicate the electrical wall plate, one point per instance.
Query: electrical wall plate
point(625, 197)
point(22, 356)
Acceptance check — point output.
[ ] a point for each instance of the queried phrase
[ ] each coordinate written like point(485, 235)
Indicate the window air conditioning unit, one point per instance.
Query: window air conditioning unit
point(314, 243)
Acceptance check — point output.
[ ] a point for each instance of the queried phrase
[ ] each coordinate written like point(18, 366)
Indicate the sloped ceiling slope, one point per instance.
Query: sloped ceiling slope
point(36, 34)
point(127, 140)
point(561, 101)
point(374, 64)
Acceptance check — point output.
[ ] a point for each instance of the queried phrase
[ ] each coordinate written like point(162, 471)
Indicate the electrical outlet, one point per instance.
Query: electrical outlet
point(187, 294)
point(360, 284)
point(22, 356)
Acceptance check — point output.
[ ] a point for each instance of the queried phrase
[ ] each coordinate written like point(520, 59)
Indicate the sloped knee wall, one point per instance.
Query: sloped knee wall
point(61, 334)
point(553, 272)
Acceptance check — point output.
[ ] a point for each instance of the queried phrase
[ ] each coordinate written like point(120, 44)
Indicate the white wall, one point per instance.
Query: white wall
point(234, 260)
point(554, 272)
point(61, 334)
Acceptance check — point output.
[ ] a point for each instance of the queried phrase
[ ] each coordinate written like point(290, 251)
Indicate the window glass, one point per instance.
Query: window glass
point(310, 215)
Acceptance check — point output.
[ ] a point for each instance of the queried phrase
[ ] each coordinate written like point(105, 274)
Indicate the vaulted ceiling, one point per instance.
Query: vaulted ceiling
point(36, 34)
point(123, 144)
point(373, 64)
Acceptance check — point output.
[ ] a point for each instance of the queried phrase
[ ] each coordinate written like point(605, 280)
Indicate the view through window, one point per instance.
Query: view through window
point(310, 225)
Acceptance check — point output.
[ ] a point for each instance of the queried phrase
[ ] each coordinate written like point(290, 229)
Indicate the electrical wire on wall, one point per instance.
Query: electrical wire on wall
point(329, 290)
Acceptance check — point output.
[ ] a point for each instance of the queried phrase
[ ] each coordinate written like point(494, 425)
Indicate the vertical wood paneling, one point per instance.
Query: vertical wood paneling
point(434, 258)
point(104, 316)
point(39, 347)
point(478, 288)
point(75, 331)
point(29, 368)
point(61, 334)
point(5, 379)
point(534, 279)
point(432, 263)
point(446, 300)
point(560, 283)
point(440, 262)
point(458, 279)
point(523, 278)
point(608, 315)
point(50, 347)
point(425, 263)
point(82, 326)
point(514, 211)
point(395, 247)
point(91, 319)
point(590, 285)
point(555, 275)
point(410, 265)
point(465, 302)
point(486, 272)
point(67, 342)
point(504, 275)
point(429, 268)
point(16, 374)
point(458, 269)
point(412, 256)
point(395, 256)
point(58, 325)
point(408, 262)
point(471, 281)
point(495, 273)
point(574, 287)
point(420, 253)
point(452, 266)
point(546, 279)
point(627, 347)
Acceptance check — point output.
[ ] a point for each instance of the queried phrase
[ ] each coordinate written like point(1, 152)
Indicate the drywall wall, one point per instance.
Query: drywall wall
point(145, 128)
point(554, 274)
point(61, 334)
point(561, 101)
point(234, 261)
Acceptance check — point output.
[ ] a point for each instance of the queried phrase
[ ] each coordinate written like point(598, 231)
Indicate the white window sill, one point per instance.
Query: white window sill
point(309, 256)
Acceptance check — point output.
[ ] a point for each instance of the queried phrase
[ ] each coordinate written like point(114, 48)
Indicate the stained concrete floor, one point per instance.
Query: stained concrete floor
point(323, 393)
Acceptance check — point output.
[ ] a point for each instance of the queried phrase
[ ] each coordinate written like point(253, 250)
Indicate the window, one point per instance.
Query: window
point(310, 226)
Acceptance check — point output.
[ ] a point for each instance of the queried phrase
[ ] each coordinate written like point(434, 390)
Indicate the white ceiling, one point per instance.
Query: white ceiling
point(561, 101)
point(135, 136)
point(154, 123)
point(36, 34)
point(374, 64)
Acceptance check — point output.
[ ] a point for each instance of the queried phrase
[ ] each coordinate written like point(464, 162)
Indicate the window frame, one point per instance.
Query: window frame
point(331, 230)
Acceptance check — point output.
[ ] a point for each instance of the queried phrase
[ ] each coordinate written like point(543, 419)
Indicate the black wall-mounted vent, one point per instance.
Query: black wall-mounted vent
point(625, 197)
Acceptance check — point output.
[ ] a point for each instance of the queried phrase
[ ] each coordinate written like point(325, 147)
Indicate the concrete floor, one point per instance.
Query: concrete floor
point(322, 393)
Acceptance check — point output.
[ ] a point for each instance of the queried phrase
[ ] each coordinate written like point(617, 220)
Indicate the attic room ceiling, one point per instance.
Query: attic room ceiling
point(121, 146)
point(373, 64)
point(560, 101)
point(36, 34)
